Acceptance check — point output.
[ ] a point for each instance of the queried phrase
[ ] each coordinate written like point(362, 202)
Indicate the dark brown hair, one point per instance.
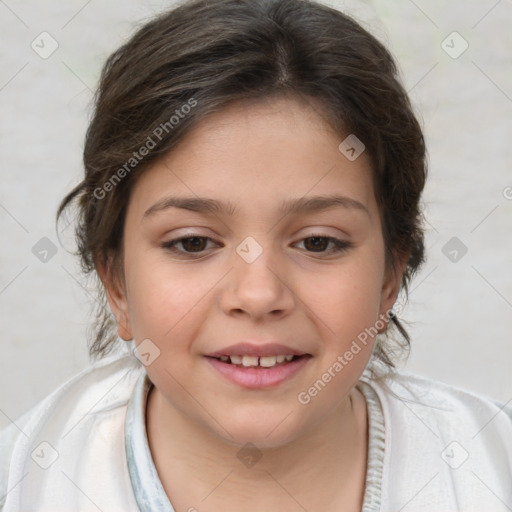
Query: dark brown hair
point(204, 54)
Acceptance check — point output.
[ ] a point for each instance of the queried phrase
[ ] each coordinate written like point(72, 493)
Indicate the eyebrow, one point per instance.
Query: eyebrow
point(304, 204)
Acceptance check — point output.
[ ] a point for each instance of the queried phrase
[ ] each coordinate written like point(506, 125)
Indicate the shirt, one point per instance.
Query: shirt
point(432, 447)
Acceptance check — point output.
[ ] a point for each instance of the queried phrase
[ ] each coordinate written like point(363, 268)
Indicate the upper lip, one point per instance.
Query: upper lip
point(261, 349)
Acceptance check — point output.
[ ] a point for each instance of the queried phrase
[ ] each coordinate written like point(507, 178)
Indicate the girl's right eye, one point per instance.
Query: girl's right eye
point(190, 244)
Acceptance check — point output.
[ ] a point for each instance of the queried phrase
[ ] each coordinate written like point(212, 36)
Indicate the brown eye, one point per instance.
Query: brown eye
point(316, 243)
point(189, 245)
point(323, 244)
point(194, 244)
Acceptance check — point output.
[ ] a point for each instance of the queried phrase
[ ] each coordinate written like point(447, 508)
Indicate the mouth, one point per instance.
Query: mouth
point(258, 372)
point(259, 362)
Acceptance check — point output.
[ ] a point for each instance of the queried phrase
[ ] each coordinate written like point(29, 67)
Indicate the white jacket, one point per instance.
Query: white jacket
point(440, 449)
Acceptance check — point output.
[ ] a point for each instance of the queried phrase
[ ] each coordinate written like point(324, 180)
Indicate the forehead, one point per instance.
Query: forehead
point(256, 156)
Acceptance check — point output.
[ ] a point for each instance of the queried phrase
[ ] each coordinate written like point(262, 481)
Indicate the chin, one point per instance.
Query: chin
point(269, 431)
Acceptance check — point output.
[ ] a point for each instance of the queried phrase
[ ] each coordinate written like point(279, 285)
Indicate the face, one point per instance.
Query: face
point(256, 229)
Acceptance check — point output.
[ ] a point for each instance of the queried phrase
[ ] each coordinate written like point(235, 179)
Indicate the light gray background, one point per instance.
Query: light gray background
point(460, 313)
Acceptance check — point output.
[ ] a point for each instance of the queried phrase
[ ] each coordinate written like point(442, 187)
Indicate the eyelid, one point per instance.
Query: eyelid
point(339, 244)
point(174, 241)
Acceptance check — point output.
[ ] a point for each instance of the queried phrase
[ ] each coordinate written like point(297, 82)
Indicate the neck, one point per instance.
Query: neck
point(326, 465)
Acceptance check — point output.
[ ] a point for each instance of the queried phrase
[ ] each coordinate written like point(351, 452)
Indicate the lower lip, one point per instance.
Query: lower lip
point(258, 378)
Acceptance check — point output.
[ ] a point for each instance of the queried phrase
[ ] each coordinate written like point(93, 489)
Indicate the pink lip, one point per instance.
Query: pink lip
point(257, 349)
point(254, 378)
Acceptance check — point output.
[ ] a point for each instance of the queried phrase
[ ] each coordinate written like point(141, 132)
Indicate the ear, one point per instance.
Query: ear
point(391, 287)
point(116, 295)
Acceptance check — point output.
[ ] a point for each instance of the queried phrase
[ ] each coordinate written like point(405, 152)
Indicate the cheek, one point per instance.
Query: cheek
point(345, 300)
point(164, 299)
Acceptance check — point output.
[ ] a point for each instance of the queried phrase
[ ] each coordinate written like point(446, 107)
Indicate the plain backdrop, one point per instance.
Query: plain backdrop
point(460, 307)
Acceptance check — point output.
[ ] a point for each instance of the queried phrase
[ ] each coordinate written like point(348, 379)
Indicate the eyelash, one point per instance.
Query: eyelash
point(339, 245)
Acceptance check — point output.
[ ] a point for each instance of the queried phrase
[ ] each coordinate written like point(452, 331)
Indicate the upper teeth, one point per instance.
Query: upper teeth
point(266, 362)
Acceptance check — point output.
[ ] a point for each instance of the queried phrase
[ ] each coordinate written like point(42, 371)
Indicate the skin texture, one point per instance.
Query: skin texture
point(255, 156)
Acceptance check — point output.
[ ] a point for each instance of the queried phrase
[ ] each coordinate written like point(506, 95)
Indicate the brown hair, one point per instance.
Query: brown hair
point(204, 54)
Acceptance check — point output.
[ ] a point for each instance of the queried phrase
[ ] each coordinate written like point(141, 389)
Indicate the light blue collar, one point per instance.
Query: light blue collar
point(147, 488)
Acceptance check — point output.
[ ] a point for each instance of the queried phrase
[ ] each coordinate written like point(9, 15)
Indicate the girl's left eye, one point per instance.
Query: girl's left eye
point(319, 243)
point(315, 243)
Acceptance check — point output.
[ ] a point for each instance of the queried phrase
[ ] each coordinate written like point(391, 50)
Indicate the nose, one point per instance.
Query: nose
point(258, 290)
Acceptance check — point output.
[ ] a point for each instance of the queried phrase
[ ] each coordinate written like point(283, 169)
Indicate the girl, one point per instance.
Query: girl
point(250, 204)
